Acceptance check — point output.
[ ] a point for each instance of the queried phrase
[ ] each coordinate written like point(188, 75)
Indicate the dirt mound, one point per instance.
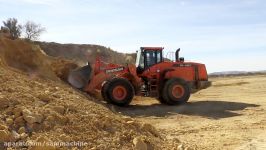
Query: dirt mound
point(29, 58)
point(43, 110)
point(39, 113)
point(26, 57)
point(62, 67)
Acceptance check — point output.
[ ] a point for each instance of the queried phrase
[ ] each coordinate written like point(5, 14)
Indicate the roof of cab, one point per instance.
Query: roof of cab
point(151, 48)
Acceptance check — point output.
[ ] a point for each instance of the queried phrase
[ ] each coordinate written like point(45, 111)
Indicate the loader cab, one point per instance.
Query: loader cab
point(147, 57)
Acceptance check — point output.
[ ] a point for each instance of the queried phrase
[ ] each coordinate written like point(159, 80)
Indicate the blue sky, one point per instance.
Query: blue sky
point(225, 35)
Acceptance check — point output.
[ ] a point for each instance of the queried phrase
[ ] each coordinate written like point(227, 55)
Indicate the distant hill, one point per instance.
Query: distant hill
point(82, 53)
point(236, 73)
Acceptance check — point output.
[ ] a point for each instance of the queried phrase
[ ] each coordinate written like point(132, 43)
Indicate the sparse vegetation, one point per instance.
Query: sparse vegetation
point(14, 28)
point(33, 30)
point(30, 30)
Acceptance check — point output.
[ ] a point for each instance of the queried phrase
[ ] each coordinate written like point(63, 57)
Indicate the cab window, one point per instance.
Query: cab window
point(150, 55)
point(153, 57)
point(159, 56)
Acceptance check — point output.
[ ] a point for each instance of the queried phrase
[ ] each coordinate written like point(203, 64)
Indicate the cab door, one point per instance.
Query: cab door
point(152, 57)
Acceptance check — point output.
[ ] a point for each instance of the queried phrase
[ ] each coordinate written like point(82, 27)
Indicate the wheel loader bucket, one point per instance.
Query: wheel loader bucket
point(80, 77)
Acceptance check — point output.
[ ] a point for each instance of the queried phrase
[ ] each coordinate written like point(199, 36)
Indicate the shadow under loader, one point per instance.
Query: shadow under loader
point(209, 109)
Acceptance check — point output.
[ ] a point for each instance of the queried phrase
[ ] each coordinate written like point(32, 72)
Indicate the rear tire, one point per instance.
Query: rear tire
point(118, 91)
point(176, 91)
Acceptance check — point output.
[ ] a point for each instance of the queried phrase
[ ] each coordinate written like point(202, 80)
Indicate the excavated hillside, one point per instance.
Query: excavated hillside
point(82, 53)
point(35, 106)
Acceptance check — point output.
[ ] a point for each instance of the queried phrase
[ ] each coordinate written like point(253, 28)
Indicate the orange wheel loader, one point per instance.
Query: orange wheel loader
point(171, 82)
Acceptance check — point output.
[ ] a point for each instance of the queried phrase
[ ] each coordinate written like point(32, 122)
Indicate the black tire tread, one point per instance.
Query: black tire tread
point(166, 93)
point(104, 91)
point(119, 81)
point(161, 100)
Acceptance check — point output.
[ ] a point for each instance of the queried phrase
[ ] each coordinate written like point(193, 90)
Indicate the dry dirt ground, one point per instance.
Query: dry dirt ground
point(228, 115)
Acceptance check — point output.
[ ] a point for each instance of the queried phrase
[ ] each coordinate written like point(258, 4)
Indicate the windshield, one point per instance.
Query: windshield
point(148, 58)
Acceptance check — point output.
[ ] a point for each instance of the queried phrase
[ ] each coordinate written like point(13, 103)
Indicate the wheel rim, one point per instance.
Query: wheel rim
point(178, 91)
point(119, 92)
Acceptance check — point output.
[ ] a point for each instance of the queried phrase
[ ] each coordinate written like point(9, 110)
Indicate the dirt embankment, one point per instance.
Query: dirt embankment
point(32, 60)
point(25, 57)
point(45, 110)
point(39, 110)
point(83, 53)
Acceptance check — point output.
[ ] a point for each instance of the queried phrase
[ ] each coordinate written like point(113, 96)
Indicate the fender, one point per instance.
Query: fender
point(162, 78)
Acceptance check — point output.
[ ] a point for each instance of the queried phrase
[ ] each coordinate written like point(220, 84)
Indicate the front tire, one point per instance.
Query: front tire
point(161, 100)
point(176, 91)
point(118, 91)
point(104, 91)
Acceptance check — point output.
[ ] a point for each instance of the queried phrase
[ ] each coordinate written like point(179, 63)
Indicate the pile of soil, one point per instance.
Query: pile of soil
point(34, 109)
point(32, 60)
point(43, 110)
point(62, 67)
point(26, 57)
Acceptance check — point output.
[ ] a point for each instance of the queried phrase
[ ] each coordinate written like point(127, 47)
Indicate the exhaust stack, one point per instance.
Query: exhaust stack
point(177, 55)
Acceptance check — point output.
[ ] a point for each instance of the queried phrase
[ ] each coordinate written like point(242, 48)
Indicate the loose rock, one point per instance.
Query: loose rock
point(59, 109)
point(19, 121)
point(4, 102)
point(9, 121)
point(139, 144)
point(17, 112)
point(32, 117)
point(5, 135)
point(21, 130)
